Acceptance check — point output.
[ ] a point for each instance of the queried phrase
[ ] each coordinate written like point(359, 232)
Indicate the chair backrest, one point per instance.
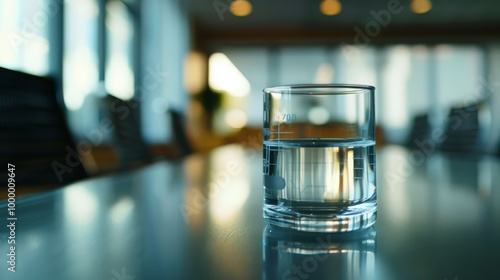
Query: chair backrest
point(463, 130)
point(420, 130)
point(131, 147)
point(34, 136)
point(179, 132)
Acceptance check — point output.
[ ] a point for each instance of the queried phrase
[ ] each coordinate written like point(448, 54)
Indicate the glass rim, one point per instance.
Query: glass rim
point(318, 86)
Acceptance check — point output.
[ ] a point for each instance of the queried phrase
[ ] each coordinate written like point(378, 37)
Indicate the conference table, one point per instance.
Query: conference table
point(201, 218)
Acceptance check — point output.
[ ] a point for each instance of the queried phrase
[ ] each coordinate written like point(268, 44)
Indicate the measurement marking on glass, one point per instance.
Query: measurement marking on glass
point(287, 117)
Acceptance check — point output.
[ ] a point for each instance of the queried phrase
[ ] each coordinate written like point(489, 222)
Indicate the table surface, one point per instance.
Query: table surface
point(201, 218)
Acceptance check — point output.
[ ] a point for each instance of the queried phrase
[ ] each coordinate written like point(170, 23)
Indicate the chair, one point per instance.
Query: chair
point(131, 148)
point(463, 134)
point(420, 130)
point(34, 135)
point(179, 132)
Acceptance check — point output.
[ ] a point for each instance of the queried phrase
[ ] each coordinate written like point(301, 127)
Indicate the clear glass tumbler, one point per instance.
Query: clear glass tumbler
point(319, 157)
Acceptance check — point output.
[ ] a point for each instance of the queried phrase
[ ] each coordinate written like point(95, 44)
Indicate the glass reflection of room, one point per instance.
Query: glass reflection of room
point(299, 255)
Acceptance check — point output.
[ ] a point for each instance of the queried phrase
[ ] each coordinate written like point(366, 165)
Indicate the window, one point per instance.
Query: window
point(458, 69)
point(24, 26)
point(81, 73)
point(119, 56)
point(410, 79)
point(80, 64)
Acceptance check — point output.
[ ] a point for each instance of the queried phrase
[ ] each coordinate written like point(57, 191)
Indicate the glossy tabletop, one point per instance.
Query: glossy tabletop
point(201, 218)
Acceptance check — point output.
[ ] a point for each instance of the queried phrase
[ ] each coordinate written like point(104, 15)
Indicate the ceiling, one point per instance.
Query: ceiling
point(273, 20)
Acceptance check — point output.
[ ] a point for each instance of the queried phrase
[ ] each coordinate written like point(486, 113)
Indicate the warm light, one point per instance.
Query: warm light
point(236, 118)
point(241, 8)
point(195, 68)
point(227, 202)
point(332, 191)
point(421, 6)
point(324, 74)
point(226, 77)
point(228, 184)
point(330, 7)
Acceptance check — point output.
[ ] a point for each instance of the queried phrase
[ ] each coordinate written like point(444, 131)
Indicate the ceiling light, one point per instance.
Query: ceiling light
point(421, 6)
point(330, 7)
point(241, 8)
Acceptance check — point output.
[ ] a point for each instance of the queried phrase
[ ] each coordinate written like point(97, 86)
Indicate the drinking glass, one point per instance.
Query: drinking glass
point(319, 157)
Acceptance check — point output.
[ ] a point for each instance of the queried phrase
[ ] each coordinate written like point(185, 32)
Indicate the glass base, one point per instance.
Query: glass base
point(351, 218)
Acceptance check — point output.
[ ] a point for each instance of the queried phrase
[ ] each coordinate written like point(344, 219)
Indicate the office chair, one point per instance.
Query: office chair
point(463, 130)
point(127, 137)
point(34, 135)
point(181, 140)
point(420, 130)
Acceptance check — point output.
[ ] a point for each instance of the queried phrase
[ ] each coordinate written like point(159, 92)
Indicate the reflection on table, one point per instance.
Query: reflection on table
point(441, 214)
point(296, 255)
point(201, 218)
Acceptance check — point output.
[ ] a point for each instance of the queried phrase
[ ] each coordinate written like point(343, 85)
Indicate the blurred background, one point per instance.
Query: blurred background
point(173, 77)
